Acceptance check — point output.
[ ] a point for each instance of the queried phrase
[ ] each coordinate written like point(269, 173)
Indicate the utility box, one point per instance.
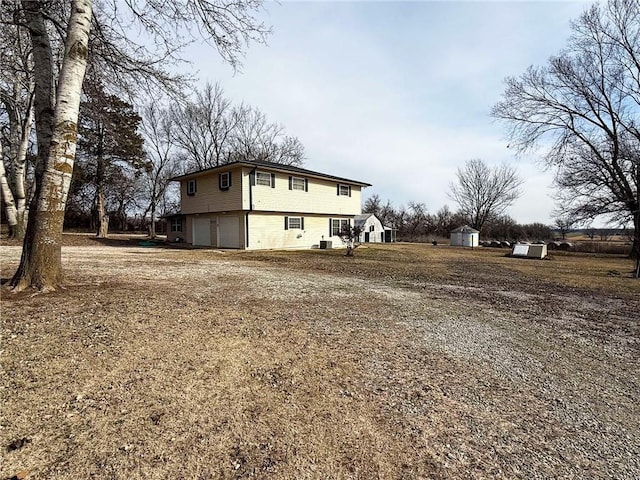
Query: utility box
point(324, 244)
point(529, 251)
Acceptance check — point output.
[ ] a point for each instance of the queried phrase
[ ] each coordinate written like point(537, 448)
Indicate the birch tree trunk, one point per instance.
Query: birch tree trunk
point(19, 130)
point(40, 265)
point(20, 173)
point(7, 198)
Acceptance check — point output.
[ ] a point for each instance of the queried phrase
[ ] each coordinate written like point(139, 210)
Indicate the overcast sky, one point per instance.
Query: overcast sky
point(398, 94)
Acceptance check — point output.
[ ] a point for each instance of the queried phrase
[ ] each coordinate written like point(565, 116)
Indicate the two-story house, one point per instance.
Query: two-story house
point(257, 205)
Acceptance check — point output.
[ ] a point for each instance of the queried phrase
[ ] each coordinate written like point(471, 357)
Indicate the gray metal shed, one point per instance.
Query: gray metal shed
point(465, 236)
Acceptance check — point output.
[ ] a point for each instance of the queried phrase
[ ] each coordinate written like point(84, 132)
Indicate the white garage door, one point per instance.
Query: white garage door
point(229, 232)
point(202, 231)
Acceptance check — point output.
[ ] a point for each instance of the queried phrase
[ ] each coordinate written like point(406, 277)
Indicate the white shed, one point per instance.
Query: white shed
point(465, 236)
point(372, 228)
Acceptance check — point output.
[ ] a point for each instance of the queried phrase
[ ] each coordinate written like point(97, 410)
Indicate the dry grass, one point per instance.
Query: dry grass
point(407, 361)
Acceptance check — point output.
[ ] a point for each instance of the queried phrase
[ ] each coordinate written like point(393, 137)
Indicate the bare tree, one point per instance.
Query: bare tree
point(16, 96)
point(373, 204)
point(564, 223)
point(583, 110)
point(58, 74)
point(56, 127)
point(204, 128)
point(256, 139)
point(482, 192)
point(210, 132)
point(418, 220)
point(157, 129)
point(124, 194)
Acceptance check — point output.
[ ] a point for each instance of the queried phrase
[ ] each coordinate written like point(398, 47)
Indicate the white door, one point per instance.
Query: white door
point(228, 232)
point(202, 231)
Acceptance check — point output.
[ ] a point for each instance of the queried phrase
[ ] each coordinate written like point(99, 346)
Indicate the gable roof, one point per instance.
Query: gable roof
point(465, 229)
point(360, 220)
point(271, 167)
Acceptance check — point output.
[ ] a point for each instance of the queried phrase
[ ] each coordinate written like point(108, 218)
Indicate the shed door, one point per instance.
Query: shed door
point(229, 232)
point(202, 231)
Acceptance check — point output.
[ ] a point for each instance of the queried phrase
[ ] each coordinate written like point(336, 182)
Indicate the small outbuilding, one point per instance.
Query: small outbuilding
point(465, 236)
point(371, 227)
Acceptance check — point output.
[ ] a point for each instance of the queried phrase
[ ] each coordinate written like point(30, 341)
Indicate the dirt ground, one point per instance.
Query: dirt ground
point(407, 361)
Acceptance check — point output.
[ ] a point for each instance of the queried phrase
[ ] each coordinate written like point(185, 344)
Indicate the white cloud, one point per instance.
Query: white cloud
point(398, 94)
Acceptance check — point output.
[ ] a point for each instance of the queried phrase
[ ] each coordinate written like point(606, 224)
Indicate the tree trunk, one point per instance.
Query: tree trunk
point(103, 218)
point(41, 265)
point(635, 249)
point(20, 173)
point(7, 198)
point(14, 189)
point(152, 224)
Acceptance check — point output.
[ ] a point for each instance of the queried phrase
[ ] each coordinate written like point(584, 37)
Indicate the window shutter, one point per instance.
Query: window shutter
point(290, 182)
point(286, 223)
point(338, 189)
point(220, 181)
point(195, 186)
point(252, 178)
point(306, 184)
point(273, 180)
point(302, 223)
point(331, 227)
point(230, 175)
point(349, 190)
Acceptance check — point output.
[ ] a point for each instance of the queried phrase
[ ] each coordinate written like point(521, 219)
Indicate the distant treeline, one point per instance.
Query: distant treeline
point(414, 223)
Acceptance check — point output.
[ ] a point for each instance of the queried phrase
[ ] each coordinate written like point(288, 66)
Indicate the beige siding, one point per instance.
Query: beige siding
point(321, 198)
point(267, 231)
point(267, 209)
point(209, 197)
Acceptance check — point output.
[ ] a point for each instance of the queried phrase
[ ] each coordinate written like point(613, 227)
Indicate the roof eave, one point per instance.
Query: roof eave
point(302, 171)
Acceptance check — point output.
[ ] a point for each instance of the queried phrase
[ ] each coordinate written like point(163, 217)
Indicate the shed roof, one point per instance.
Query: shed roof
point(465, 229)
point(360, 220)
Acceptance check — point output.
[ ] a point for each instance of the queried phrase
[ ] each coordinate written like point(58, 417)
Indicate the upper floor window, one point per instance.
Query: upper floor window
point(224, 180)
point(344, 190)
point(298, 183)
point(191, 187)
point(266, 179)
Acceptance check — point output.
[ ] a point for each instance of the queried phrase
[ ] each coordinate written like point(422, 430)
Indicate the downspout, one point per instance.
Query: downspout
point(246, 216)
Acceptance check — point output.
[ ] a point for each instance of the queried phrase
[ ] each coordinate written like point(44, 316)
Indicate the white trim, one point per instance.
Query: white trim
point(295, 219)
